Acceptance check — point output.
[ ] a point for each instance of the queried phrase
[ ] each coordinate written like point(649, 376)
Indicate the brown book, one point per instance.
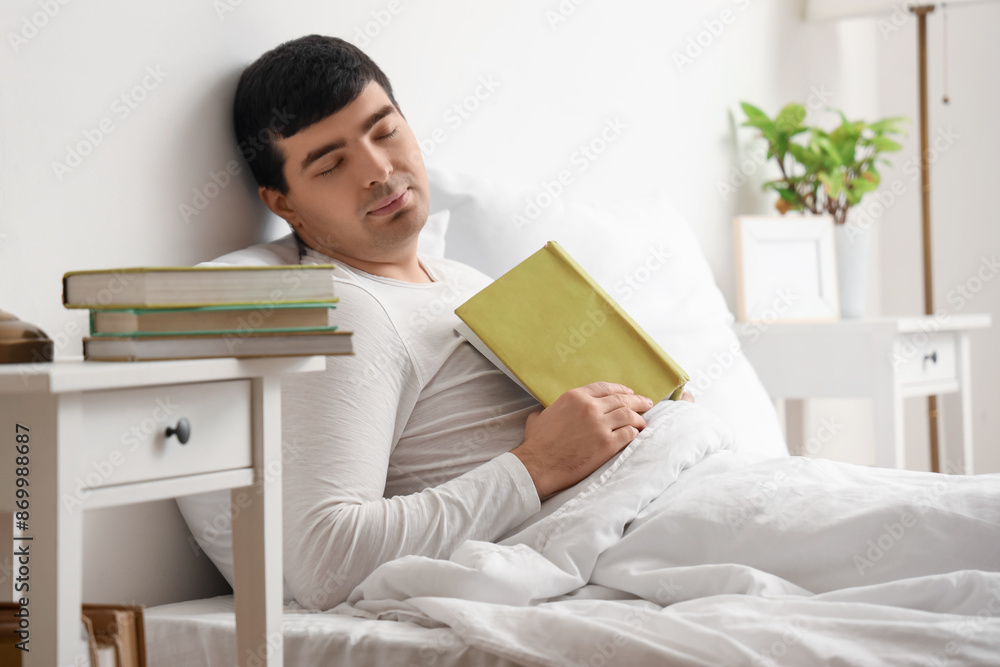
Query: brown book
point(10, 623)
point(10, 655)
point(121, 627)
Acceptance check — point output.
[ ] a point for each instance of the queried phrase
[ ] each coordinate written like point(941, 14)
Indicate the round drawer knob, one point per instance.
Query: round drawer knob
point(182, 430)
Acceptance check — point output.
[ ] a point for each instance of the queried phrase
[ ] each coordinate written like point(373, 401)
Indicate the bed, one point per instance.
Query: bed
point(752, 566)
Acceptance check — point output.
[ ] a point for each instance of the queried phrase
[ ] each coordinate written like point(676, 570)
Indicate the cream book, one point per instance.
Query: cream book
point(187, 286)
point(550, 327)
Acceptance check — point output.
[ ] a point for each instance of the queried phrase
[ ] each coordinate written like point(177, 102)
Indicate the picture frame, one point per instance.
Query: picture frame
point(786, 268)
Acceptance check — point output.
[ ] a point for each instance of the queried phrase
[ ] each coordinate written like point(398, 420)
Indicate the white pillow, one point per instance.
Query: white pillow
point(645, 256)
point(432, 236)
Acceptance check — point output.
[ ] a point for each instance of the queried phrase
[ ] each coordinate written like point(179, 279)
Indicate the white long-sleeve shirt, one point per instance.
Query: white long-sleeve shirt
point(403, 447)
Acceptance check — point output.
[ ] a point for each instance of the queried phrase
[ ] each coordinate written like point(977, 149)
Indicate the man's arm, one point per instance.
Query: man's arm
point(339, 428)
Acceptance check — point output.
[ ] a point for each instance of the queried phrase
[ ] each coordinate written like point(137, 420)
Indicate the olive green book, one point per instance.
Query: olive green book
point(189, 286)
point(551, 328)
point(228, 318)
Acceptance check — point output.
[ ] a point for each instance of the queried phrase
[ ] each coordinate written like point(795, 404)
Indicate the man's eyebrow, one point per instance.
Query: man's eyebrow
point(369, 123)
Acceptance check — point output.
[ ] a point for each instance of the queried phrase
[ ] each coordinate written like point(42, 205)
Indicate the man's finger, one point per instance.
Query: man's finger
point(601, 389)
point(635, 402)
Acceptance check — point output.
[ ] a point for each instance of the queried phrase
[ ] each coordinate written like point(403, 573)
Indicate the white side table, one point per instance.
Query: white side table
point(96, 437)
point(884, 359)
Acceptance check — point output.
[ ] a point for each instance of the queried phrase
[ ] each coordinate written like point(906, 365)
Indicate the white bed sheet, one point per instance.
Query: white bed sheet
point(203, 632)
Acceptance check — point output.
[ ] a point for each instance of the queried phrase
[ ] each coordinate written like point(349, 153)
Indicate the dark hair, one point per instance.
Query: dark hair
point(291, 87)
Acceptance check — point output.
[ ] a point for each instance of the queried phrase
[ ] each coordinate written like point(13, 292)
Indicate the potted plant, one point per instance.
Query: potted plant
point(828, 173)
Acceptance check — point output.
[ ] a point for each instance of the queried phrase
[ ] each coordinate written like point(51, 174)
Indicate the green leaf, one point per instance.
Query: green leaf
point(806, 157)
point(790, 118)
point(827, 146)
point(885, 144)
point(834, 183)
point(788, 195)
point(862, 185)
point(751, 111)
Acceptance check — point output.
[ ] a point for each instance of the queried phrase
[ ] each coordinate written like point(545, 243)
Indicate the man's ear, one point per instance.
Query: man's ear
point(280, 205)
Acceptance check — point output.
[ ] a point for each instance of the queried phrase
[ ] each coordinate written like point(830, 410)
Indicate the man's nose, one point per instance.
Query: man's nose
point(377, 164)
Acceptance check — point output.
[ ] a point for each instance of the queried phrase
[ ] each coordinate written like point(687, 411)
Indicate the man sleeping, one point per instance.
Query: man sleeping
point(417, 445)
point(417, 442)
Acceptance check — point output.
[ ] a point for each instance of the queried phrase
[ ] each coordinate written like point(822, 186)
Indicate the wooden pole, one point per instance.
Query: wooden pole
point(925, 208)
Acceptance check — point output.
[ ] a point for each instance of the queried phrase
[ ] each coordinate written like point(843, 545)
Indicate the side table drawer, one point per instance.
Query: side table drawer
point(124, 432)
point(927, 358)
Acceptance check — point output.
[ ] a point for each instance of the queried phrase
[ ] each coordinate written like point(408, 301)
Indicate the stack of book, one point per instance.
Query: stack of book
point(144, 314)
point(115, 635)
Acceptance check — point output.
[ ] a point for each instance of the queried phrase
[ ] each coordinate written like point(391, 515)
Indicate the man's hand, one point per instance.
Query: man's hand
point(578, 433)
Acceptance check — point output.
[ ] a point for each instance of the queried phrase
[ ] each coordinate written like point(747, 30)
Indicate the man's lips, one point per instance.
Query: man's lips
point(392, 203)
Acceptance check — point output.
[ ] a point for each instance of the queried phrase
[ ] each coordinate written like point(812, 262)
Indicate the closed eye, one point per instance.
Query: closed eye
point(332, 169)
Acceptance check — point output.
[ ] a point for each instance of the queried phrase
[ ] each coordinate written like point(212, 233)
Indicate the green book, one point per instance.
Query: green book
point(229, 318)
point(551, 328)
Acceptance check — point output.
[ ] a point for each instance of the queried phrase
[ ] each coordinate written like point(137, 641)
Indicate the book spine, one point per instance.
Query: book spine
point(186, 306)
point(610, 304)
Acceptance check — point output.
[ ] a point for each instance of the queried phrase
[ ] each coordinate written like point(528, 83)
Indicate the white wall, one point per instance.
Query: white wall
point(556, 85)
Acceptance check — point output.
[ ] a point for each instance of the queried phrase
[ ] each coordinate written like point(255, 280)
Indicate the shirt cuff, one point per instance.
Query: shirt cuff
point(523, 485)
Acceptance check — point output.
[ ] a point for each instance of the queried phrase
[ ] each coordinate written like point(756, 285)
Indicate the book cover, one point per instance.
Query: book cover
point(203, 346)
point(189, 286)
point(553, 328)
point(118, 633)
point(211, 319)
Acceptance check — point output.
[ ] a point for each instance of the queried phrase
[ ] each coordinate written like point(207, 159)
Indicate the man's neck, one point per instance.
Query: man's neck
point(408, 270)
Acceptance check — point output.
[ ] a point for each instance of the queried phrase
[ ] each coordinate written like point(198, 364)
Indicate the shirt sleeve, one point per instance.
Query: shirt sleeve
point(339, 427)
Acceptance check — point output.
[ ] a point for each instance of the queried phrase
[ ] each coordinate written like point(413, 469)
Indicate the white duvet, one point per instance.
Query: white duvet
point(681, 552)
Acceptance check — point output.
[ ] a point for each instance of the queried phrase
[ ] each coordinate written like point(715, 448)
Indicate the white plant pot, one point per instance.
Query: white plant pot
point(853, 243)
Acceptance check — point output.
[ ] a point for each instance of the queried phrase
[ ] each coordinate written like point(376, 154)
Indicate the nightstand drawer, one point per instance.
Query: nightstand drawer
point(927, 358)
point(124, 432)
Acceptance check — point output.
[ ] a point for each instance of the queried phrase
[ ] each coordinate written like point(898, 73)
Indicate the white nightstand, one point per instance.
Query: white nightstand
point(96, 437)
point(884, 359)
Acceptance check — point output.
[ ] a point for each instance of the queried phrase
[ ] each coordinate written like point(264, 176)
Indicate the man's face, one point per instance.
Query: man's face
point(357, 187)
